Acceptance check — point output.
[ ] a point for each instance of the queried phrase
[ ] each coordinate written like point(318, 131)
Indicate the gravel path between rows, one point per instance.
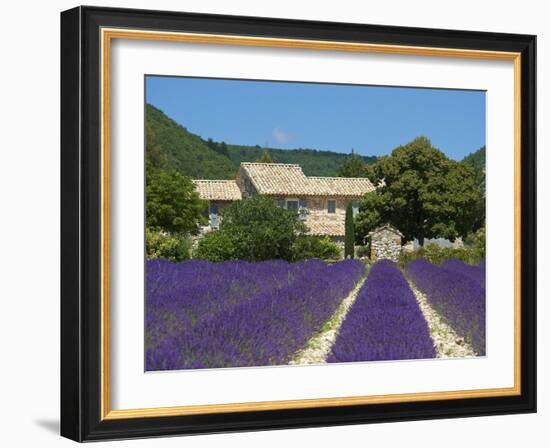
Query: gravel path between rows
point(318, 347)
point(447, 343)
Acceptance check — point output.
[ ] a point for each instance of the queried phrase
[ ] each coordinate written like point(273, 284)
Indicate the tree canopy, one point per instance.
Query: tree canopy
point(423, 193)
point(353, 166)
point(172, 204)
point(253, 229)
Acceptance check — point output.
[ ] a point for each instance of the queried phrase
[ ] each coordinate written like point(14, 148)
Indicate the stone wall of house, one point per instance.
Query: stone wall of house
point(318, 211)
point(385, 244)
point(245, 184)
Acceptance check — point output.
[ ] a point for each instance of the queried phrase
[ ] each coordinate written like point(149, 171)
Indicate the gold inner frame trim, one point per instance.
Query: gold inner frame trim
point(107, 35)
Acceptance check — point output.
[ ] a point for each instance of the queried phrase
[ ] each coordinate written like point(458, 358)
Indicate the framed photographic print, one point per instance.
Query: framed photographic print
point(273, 223)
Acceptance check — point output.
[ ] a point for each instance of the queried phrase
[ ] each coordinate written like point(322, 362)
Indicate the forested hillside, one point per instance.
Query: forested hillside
point(170, 145)
point(312, 161)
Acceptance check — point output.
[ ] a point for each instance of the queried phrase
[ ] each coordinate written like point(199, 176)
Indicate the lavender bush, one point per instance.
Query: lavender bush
point(385, 322)
point(233, 314)
point(178, 295)
point(456, 297)
point(475, 272)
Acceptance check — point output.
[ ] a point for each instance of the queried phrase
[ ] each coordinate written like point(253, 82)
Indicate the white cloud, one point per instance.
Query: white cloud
point(280, 136)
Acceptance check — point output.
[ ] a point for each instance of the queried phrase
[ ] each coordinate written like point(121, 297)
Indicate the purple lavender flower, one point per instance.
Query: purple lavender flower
point(475, 272)
point(457, 295)
point(211, 315)
point(385, 322)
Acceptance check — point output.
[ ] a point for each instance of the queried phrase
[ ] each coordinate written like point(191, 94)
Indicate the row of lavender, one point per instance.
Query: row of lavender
point(385, 322)
point(457, 292)
point(233, 314)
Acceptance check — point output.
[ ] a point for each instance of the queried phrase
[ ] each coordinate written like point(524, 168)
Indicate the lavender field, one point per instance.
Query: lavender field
point(235, 314)
point(457, 292)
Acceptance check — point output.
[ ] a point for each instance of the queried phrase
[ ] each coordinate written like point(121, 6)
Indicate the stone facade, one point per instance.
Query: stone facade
point(321, 200)
point(385, 243)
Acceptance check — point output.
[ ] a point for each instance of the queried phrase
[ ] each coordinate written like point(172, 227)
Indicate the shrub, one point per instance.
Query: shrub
point(254, 229)
point(218, 245)
point(437, 255)
point(174, 247)
point(476, 240)
point(309, 246)
point(362, 251)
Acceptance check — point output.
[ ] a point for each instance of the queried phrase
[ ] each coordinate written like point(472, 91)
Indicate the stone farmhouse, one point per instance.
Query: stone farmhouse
point(322, 201)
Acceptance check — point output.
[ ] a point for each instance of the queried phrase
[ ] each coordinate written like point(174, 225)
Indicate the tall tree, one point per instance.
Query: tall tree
point(353, 166)
point(172, 203)
point(349, 239)
point(265, 157)
point(422, 193)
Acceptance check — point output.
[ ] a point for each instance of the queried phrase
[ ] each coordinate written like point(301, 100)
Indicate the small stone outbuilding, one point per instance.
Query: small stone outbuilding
point(385, 243)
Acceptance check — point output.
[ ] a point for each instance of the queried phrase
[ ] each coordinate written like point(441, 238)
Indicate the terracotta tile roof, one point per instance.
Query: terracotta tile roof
point(288, 179)
point(218, 190)
point(388, 227)
point(341, 186)
point(277, 178)
point(324, 227)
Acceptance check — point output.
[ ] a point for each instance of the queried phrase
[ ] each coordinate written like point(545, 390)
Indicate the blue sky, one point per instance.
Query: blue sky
point(371, 120)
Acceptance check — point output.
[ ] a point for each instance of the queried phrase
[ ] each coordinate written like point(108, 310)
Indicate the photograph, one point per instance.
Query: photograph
point(301, 223)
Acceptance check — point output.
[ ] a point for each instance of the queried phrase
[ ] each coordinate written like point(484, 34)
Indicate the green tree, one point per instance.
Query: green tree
point(349, 239)
point(423, 193)
point(172, 204)
point(265, 157)
point(353, 166)
point(253, 229)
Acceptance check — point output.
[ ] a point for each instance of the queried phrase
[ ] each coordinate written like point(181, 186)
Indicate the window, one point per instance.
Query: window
point(355, 208)
point(332, 205)
point(213, 218)
point(292, 204)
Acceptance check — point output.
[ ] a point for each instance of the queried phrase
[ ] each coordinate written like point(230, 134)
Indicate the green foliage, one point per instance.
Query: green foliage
point(310, 246)
point(437, 255)
point(349, 239)
point(171, 146)
point(216, 246)
point(477, 161)
point(265, 157)
point(254, 229)
point(172, 203)
point(353, 166)
point(313, 162)
point(164, 245)
point(476, 240)
point(426, 195)
point(363, 251)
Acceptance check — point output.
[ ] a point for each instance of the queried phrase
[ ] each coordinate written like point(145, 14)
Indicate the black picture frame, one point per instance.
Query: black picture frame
point(81, 224)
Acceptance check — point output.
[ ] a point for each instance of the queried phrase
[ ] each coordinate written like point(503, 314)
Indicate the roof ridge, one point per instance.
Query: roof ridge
point(338, 177)
point(271, 163)
point(213, 180)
